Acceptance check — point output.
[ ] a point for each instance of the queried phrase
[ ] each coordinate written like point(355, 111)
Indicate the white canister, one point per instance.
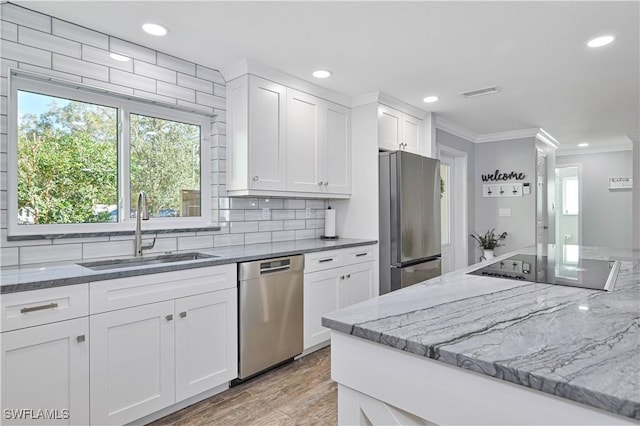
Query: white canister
point(329, 222)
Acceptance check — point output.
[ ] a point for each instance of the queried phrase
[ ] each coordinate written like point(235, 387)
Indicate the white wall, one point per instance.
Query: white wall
point(517, 155)
point(636, 194)
point(606, 214)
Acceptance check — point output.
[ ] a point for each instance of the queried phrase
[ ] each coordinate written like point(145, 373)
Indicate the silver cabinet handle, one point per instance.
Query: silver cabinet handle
point(38, 308)
point(320, 183)
point(326, 184)
point(80, 338)
point(325, 260)
point(361, 254)
point(169, 317)
point(183, 314)
point(254, 178)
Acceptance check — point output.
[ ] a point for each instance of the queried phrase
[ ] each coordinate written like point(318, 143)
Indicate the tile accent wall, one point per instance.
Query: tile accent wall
point(39, 43)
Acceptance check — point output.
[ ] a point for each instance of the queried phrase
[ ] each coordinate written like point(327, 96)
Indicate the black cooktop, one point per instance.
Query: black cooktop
point(586, 273)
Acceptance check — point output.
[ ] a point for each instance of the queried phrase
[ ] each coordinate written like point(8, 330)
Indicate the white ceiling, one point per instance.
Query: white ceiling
point(534, 52)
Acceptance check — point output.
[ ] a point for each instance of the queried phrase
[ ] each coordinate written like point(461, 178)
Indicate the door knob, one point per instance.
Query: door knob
point(255, 178)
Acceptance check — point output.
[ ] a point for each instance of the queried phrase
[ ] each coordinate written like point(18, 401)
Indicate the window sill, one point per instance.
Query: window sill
point(108, 233)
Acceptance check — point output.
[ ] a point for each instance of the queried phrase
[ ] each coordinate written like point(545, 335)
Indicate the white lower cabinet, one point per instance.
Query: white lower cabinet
point(45, 374)
point(132, 363)
point(206, 342)
point(349, 277)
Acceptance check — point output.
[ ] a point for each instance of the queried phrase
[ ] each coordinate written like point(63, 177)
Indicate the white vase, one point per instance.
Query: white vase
point(488, 254)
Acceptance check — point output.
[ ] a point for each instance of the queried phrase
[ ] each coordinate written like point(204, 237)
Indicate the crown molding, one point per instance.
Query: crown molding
point(594, 150)
point(455, 129)
point(544, 137)
point(508, 135)
point(383, 98)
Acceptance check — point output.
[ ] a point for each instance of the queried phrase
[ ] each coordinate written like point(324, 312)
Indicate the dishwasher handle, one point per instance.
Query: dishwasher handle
point(264, 271)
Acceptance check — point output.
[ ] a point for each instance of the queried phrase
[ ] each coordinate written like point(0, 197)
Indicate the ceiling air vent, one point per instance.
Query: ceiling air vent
point(480, 92)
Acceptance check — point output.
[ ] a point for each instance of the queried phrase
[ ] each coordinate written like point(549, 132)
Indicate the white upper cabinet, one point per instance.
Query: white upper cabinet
point(398, 130)
point(285, 142)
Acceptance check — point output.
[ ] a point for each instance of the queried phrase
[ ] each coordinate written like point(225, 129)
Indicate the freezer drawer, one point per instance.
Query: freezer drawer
point(409, 275)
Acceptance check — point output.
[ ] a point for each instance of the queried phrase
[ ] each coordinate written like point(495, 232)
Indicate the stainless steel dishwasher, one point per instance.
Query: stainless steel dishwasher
point(270, 313)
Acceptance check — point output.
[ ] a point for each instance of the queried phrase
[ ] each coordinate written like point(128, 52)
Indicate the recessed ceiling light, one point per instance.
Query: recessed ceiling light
point(155, 29)
point(430, 99)
point(600, 41)
point(321, 74)
point(583, 145)
point(120, 58)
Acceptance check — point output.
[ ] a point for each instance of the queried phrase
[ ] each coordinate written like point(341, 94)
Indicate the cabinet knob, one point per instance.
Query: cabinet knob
point(320, 183)
point(348, 275)
point(183, 314)
point(326, 184)
point(80, 338)
point(342, 277)
point(169, 317)
point(254, 178)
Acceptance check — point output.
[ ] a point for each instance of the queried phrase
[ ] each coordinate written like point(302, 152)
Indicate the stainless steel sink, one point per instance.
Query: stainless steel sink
point(130, 262)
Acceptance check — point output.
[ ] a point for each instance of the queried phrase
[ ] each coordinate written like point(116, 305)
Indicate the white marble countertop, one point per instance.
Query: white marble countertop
point(44, 275)
point(579, 344)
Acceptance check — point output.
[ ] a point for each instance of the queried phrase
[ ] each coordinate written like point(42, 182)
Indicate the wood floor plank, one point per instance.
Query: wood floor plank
point(300, 393)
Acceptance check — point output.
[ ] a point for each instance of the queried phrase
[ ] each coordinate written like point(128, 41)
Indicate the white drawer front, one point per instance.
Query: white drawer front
point(361, 254)
point(36, 307)
point(323, 260)
point(134, 291)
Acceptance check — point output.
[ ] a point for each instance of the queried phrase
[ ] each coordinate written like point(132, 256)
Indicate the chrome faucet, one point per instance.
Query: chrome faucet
point(142, 213)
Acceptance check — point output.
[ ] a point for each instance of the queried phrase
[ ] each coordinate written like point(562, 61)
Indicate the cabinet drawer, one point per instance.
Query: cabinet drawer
point(360, 254)
point(36, 307)
point(134, 291)
point(323, 260)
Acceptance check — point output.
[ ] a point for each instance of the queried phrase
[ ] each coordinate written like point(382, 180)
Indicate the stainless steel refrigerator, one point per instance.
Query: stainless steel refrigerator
point(410, 244)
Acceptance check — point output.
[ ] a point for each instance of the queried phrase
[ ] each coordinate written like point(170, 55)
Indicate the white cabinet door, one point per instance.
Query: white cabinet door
point(356, 283)
point(320, 297)
point(47, 367)
point(132, 363)
point(389, 128)
point(305, 147)
point(206, 342)
point(267, 143)
point(411, 133)
point(337, 176)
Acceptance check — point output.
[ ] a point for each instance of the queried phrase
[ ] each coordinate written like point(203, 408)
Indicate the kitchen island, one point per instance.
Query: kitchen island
point(468, 349)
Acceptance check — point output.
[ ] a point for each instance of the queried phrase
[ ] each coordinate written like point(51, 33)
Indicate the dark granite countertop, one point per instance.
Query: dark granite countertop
point(579, 344)
point(45, 275)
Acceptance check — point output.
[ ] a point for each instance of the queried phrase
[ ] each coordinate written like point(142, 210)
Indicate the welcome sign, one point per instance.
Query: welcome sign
point(620, 182)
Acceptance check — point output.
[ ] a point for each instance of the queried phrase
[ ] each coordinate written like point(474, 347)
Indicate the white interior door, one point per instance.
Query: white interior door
point(568, 197)
point(446, 212)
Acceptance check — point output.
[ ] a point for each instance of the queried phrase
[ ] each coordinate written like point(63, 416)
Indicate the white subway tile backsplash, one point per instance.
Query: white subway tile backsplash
point(209, 74)
point(164, 245)
point(228, 240)
point(154, 97)
point(8, 31)
point(314, 223)
point(320, 214)
point(107, 86)
point(60, 241)
point(3, 125)
point(30, 55)
point(131, 80)
point(231, 215)
point(211, 100)
point(34, 38)
point(301, 214)
point(240, 203)
point(220, 114)
point(5, 64)
point(79, 67)
point(256, 215)
point(271, 225)
point(81, 34)
point(109, 249)
point(283, 236)
point(257, 238)
point(293, 224)
point(315, 204)
point(176, 64)
point(99, 56)
point(243, 227)
point(303, 234)
point(220, 90)
point(49, 72)
point(195, 107)
point(294, 204)
point(50, 253)
point(133, 50)
point(174, 91)
point(3, 143)
point(272, 203)
point(9, 256)
point(154, 71)
point(195, 83)
point(283, 214)
point(192, 243)
point(26, 17)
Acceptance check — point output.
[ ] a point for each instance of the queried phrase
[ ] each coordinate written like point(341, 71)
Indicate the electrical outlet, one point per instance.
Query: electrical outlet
point(308, 213)
point(265, 213)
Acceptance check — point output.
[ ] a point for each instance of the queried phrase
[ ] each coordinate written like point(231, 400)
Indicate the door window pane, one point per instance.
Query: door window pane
point(67, 160)
point(165, 163)
point(445, 203)
point(570, 196)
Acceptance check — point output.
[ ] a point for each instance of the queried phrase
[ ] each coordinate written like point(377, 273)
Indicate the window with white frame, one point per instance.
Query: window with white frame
point(80, 157)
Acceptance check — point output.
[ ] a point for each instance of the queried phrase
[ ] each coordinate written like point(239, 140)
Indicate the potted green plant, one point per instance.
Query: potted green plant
point(489, 242)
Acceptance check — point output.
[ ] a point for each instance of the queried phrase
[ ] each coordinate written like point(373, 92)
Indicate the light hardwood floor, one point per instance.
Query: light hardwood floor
point(299, 393)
